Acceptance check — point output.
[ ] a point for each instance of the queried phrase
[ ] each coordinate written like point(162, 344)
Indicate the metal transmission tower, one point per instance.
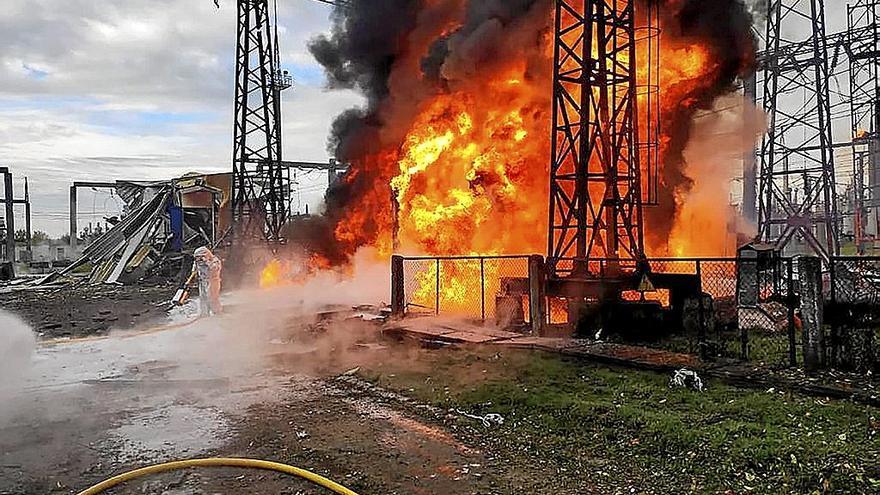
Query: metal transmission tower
point(595, 189)
point(797, 196)
point(261, 184)
point(863, 51)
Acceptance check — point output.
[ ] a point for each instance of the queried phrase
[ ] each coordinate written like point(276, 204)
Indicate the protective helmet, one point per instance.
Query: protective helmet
point(203, 252)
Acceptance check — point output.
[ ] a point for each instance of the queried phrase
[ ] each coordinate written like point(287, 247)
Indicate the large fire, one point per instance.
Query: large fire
point(456, 159)
point(470, 176)
point(274, 274)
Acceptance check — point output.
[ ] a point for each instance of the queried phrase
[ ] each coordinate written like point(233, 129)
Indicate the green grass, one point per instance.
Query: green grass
point(616, 428)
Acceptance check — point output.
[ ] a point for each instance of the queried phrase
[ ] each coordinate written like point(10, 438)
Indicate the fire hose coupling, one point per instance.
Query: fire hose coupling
point(215, 463)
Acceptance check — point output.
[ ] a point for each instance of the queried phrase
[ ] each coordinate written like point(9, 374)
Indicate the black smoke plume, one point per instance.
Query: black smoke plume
point(369, 37)
point(725, 26)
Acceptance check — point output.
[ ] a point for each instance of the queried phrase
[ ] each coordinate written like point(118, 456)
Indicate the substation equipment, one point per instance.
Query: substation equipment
point(604, 172)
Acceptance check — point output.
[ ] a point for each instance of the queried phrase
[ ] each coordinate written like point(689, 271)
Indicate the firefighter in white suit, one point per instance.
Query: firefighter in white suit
point(208, 268)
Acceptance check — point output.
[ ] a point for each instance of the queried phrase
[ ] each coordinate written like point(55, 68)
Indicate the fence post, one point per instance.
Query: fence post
point(398, 291)
point(833, 349)
point(810, 274)
point(483, 288)
point(437, 292)
point(701, 331)
point(790, 302)
point(537, 298)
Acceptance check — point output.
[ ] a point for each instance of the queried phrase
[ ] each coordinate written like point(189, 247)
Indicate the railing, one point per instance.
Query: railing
point(733, 308)
point(853, 314)
point(478, 287)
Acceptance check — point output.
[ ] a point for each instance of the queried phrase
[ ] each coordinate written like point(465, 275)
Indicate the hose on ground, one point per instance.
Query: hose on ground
point(219, 462)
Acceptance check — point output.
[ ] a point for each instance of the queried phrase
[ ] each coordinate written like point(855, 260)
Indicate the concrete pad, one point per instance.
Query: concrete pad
point(452, 331)
point(469, 337)
point(549, 343)
point(428, 331)
point(499, 334)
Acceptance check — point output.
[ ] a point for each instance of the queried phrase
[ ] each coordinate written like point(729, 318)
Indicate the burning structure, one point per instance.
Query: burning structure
point(452, 150)
point(474, 107)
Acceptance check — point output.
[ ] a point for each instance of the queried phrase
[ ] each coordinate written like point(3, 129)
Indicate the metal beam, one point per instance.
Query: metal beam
point(332, 167)
point(595, 171)
point(750, 158)
point(97, 185)
point(27, 217)
point(73, 228)
point(863, 48)
point(311, 165)
point(796, 98)
point(787, 53)
point(10, 214)
point(260, 185)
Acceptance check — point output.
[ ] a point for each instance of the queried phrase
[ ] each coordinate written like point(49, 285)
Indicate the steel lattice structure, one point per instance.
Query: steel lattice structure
point(595, 191)
point(863, 50)
point(798, 147)
point(261, 184)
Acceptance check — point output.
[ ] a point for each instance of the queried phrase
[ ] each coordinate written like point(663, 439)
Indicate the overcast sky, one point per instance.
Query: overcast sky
point(140, 89)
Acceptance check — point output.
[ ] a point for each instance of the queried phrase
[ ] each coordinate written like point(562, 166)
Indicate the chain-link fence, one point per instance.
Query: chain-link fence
point(767, 301)
point(717, 308)
point(702, 305)
point(853, 314)
point(742, 308)
point(721, 325)
point(492, 288)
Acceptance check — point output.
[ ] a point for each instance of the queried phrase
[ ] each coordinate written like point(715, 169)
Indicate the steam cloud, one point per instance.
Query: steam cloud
point(17, 344)
point(725, 27)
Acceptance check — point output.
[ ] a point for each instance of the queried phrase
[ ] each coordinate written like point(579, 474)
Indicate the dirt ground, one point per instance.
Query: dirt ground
point(322, 389)
point(84, 310)
point(93, 408)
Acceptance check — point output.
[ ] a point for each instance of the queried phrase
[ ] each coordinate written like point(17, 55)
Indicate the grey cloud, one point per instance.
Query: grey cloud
point(123, 56)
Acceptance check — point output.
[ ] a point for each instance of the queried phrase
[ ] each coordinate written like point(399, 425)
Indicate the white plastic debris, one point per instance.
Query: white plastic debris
point(368, 317)
point(685, 378)
point(351, 372)
point(488, 420)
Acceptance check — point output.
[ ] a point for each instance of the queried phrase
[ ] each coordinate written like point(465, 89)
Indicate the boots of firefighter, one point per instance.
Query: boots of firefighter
point(214, 296)
point(204, 299)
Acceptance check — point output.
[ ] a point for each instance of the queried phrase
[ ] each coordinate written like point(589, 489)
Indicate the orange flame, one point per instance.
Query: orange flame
point(294, 271)
point(274, 274)
point(469, 173)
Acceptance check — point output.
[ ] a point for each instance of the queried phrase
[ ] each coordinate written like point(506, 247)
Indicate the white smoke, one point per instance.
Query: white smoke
point(17, 345)
point(366, 281)
point(720, 137)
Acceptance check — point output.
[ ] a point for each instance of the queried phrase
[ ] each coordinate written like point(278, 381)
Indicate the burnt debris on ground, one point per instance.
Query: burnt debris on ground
point(84, 310)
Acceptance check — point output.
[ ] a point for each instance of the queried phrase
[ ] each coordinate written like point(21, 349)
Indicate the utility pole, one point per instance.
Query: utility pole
point(796, 98)
point(261, 185)
point(595, 174)
point(9, 203)
point(750, 162)
point(27, 217)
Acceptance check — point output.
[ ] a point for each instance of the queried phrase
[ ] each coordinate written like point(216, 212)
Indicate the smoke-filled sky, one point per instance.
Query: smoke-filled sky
point(142, 89)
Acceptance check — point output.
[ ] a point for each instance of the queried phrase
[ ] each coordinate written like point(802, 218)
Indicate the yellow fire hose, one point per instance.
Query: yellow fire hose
point(219, 462)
